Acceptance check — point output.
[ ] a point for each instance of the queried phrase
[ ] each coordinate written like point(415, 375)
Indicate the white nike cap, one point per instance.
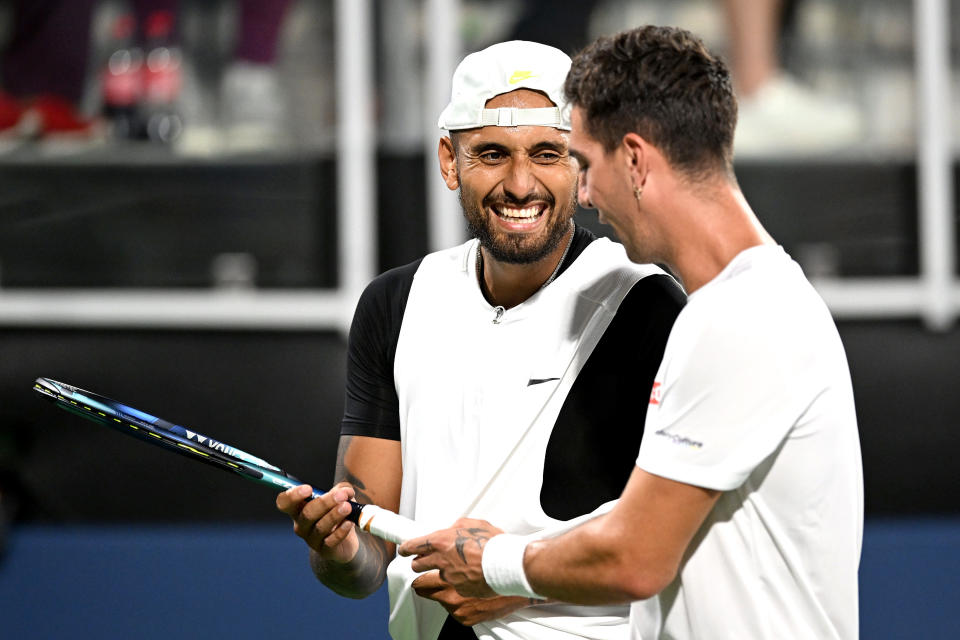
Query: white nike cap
point(502, 68)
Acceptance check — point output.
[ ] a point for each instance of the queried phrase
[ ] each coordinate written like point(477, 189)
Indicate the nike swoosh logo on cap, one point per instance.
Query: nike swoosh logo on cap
point(533, 381)
point(520, 76)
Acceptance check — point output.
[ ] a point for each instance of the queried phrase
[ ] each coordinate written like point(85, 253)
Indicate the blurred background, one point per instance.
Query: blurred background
point(194, 192)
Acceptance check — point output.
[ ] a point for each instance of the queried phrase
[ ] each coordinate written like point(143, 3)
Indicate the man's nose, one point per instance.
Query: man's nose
point(520, 181)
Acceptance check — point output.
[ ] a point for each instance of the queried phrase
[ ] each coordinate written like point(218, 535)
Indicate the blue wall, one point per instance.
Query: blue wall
point(180, 582)
point(910, 580)
point(253, 582)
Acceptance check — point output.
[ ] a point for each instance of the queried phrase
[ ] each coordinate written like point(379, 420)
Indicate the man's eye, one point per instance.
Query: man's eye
point(547, 157)
point(491, 156)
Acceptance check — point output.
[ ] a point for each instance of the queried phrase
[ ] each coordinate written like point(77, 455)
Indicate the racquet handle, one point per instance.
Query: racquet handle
point(383, 523)
point(386, 524)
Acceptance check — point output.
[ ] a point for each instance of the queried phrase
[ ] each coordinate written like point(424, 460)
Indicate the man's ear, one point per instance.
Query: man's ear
point(637, 157)
point(448, 163)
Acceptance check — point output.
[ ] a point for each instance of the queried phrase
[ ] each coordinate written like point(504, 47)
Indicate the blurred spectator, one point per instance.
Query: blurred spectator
point(251, 92)
point(43, 66)
point(778, 115)
point(252, 102)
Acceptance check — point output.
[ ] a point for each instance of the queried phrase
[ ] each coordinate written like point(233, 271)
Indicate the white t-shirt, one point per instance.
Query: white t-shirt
point(754, 398)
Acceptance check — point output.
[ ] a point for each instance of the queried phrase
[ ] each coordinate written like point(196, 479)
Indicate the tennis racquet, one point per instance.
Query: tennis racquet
point(196, 446)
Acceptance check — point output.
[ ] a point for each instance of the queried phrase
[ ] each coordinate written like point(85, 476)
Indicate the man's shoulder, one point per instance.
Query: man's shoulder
point(610, 257)
point(604, 268)
point(392, 287)
point(773, 300)
point(656, 289)
point(391, 284)
point(396, 275)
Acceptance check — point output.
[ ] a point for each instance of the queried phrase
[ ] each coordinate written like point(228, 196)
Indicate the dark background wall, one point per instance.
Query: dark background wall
point(280, 393)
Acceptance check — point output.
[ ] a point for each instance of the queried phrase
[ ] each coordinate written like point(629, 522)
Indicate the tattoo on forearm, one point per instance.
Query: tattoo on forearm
point(366, 572)
point(476, 535)
point(360, 495)
point(361, 576)
point(342, 473)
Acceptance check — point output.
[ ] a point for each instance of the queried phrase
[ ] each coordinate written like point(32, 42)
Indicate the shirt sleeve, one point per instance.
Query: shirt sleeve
point(724, 399)
point(371, 406)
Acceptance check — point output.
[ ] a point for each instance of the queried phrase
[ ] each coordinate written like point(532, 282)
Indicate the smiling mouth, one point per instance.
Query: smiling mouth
point(525, 214)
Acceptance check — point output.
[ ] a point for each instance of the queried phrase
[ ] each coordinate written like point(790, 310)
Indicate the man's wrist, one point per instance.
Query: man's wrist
point(502, 564)
point(356, 578)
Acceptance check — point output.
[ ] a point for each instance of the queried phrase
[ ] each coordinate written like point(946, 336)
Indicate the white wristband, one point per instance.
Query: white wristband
point(502, 563)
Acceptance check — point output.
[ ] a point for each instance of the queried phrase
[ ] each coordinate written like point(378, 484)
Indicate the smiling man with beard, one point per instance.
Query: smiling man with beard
point(505, 378)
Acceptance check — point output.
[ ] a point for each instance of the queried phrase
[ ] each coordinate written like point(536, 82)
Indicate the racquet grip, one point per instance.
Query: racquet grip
point(388, 525)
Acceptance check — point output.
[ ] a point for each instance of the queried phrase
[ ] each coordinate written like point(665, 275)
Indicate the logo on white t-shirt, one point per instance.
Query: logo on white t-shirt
point(678, 439)
point(655, 393)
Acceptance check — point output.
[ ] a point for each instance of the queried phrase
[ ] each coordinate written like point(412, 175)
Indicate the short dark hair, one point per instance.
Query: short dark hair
point(662, 83)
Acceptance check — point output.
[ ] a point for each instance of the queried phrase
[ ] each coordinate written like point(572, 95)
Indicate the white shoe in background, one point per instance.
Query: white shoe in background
point(784, 118)
point(253, 108)
point(201, 136)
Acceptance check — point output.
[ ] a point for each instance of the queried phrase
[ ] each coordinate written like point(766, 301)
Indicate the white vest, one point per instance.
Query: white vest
point(478, 401)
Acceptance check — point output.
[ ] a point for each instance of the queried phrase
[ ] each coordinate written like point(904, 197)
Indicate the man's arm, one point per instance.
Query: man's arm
point(631, 553)
point(352, 563)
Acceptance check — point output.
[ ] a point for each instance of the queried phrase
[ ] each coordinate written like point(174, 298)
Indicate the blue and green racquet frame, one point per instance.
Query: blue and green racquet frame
point(196, 446)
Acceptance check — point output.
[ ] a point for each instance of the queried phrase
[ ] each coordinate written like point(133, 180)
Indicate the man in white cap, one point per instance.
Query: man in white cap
point(504, 378)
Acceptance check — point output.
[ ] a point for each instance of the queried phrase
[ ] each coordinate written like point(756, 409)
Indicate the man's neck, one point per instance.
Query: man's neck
point(507, 284)
point(716, 231)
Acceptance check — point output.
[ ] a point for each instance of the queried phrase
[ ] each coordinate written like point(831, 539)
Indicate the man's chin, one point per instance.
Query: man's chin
point(519, 247)
point(510, 255)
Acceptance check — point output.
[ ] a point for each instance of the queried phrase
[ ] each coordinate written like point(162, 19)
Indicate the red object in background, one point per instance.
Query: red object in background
point(159, 25)
point(162, 79)
point(122, 80)
point(58, 116)
point(161, 74)
point(43, 116)
point(122, 84)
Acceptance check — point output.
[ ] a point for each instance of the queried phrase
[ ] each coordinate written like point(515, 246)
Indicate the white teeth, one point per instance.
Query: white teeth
point(529, 212)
